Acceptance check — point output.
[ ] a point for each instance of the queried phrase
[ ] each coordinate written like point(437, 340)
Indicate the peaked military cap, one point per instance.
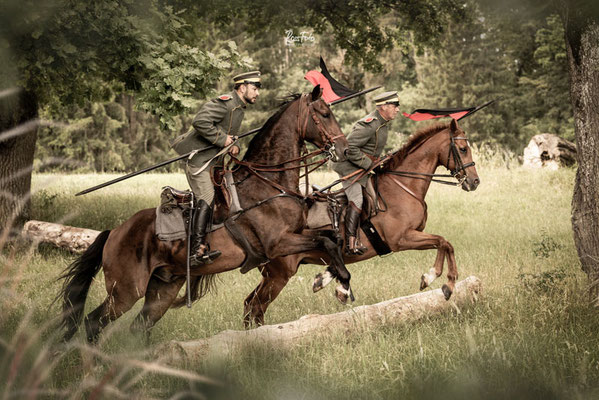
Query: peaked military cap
point(248, 77)
point(386, 98)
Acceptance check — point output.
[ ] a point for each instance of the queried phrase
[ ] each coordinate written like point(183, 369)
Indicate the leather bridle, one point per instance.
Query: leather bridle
point(326, 137)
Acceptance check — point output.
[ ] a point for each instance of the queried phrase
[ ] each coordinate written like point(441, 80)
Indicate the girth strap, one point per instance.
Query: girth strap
point(252, 257)
point(374, 238)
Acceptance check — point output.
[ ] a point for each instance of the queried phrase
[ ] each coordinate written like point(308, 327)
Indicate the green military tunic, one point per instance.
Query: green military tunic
point(367, 138)
point(216, 119)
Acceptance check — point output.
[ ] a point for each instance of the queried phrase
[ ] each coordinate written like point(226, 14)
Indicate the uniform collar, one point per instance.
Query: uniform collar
point(380, 117)
point(238, 101)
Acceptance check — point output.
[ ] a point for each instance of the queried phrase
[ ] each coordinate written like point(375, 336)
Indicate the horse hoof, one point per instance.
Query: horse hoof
point(317, 285)
point(321, 280)
point(343, 294)
point(446, 291)
point(423, 282)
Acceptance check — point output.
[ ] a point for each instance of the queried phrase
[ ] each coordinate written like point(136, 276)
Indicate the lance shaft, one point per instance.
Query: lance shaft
point(153, 167)
point(351, 96)
point(172, 160)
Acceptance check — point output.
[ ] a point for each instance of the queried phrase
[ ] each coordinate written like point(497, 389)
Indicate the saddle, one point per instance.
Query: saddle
point(321, 212)
point(319, 215)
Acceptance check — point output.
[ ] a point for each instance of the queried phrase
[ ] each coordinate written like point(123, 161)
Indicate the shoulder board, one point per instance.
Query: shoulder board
point(368, 119)
point(225, 97)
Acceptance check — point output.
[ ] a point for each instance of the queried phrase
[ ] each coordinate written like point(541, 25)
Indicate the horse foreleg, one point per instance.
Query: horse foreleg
point(292, 243)
point(416, 240)
point(275, 276)
point(159, 297)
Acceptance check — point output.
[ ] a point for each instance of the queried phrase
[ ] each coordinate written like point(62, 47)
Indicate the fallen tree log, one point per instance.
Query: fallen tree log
point(76, 240)
point(399, 310)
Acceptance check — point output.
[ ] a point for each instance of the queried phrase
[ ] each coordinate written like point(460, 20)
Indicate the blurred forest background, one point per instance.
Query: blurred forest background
point(516, 55)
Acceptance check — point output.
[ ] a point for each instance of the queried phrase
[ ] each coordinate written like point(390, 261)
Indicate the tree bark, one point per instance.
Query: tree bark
point(76, 240)
point(581, 23)
point(399, 310)
point(18, 134)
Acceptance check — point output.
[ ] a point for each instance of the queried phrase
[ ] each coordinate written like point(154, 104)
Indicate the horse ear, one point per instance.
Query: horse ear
point(316, 93)
point(453, 126)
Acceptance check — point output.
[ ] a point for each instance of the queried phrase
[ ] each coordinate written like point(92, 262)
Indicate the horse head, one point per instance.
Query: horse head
point(318, 125)
point(456, 156)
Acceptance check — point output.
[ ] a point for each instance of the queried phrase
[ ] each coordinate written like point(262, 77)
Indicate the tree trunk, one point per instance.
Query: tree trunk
point(399, 310)
point(18, 134)
point(581, 23)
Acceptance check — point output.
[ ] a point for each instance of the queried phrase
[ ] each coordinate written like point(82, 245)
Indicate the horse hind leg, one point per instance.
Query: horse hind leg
point(159, 297)
point(115, 305)
point(275, 276)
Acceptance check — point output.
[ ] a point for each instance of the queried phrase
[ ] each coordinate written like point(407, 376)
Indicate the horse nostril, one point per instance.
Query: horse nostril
point(345, 152)
point(476, 181)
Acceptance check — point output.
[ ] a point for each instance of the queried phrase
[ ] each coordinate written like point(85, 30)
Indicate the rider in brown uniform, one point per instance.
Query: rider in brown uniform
point(214, 127)
point(366, 142)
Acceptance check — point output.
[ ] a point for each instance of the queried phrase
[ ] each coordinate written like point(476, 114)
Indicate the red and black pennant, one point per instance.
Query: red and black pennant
point(332, 89)
point(422, 114)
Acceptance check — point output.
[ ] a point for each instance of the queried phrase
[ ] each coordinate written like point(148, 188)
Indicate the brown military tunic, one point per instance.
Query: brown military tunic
point(367, 139)
point(216, 119)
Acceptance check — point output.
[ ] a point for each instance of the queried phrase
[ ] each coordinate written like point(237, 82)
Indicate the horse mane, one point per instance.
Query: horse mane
point(414, 141)
point(257, 141)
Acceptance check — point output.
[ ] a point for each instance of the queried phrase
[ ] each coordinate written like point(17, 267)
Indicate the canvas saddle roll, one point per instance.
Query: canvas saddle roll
point(172, 213)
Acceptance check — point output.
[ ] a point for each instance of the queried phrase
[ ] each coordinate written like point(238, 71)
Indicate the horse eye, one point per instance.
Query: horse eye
point(326, 115)
point(464, 150)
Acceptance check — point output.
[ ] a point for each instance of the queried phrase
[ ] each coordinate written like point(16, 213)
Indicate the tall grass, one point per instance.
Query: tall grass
point(532, 335)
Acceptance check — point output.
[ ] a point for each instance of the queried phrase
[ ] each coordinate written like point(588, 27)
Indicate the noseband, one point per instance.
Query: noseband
point(457, 159)
point(327, 138)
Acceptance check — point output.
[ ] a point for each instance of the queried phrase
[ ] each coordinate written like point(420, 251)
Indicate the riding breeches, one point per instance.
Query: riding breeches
point(201, 184)
point(353, 193)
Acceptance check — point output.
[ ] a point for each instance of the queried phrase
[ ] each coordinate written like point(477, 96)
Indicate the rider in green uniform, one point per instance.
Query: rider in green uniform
point(215, 127)
point(366, 142)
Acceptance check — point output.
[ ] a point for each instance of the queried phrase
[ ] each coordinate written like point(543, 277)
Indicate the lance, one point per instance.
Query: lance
point(172, 160)
point(479, 108)
point(351, 96)
point(153, 167)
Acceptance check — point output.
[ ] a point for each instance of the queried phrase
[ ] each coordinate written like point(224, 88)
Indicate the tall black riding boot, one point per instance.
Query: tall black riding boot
point(200, 252)
point(352, 219)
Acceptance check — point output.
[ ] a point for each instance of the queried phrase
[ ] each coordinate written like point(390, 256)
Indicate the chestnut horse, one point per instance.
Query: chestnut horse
point(137, 264)
point(403, 182)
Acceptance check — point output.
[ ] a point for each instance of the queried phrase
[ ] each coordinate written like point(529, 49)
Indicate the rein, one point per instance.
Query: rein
point(459, 167)
point(328, 141)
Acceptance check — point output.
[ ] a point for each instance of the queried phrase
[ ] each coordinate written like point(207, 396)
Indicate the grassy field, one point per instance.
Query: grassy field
point(532, 335)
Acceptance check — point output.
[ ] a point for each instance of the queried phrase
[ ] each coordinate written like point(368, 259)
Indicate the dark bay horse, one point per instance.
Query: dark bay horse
point(137, 264)
point(403, 183)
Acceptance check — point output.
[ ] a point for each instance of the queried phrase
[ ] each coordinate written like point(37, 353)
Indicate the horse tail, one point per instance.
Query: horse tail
point(77, 279)
point(198, 288)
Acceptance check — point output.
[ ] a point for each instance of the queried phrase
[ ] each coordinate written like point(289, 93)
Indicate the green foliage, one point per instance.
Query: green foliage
point(354, 26)
point(72, 52)
point(523, 65)
point(545, 247)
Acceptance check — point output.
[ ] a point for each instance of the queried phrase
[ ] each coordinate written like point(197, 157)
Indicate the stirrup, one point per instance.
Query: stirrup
point(207, 258)
point(358, 251)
